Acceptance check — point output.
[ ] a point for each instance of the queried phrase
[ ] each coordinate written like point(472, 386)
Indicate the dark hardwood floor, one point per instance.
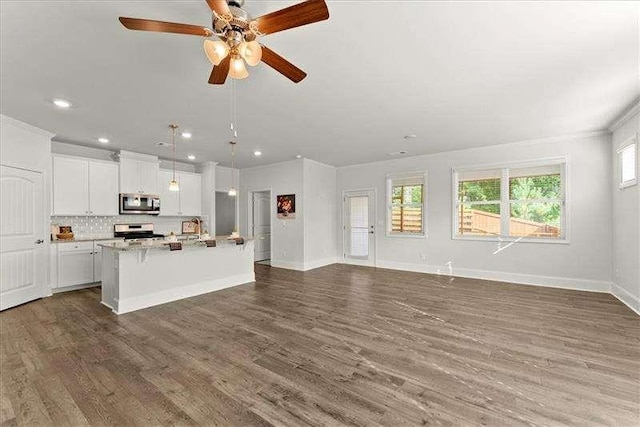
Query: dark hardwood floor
point(333, 346)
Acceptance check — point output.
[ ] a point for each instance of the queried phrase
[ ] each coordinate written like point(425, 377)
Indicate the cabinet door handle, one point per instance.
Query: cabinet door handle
point(39, 242)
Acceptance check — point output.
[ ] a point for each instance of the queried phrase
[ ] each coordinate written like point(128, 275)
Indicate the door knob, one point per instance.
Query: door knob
point(39, 241)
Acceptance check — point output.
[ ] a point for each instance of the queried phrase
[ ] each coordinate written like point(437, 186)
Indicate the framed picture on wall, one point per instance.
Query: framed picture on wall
point(286, 206)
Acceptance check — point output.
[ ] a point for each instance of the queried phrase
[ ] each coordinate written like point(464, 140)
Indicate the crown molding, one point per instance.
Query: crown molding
point(25, 126)
point(626, 115)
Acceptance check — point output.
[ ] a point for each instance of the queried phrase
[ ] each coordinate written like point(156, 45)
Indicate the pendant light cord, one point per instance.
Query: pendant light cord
point(174, 152)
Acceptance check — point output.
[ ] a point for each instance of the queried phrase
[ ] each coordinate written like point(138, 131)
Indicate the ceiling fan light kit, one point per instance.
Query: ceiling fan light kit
point(237, 34)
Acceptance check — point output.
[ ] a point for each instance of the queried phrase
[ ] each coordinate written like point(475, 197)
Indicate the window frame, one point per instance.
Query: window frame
point(389, 205)
point(626, 144)
point(505, 201)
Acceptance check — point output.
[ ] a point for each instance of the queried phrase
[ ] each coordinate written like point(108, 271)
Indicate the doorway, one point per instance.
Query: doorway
point(359, 241)
point(260, 224)
point(22, 252)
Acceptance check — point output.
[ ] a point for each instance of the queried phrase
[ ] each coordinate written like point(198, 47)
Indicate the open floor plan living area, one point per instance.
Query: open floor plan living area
point(319, 213)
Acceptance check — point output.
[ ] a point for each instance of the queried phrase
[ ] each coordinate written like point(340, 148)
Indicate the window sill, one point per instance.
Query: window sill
point(407, 235)
point(627, 184)
point(543, 240)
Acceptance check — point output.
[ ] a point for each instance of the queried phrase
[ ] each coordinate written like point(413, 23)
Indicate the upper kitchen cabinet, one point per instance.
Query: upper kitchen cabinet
point(138, 173)
point(84, 187)
point(190, 194)
point(187, 201)
point(169, 200)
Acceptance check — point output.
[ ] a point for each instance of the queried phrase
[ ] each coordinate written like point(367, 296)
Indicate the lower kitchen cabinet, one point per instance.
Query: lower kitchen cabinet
point(76, 263)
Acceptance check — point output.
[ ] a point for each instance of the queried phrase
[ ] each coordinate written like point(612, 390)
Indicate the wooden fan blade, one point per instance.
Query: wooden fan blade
point(297, 15)
point(219, 6)
point(164, 27)
point(220, 72)
point(282, 66)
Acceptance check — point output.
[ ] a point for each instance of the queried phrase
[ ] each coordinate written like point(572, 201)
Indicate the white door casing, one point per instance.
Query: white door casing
point(262, 224)
point(22, 252)
point(359, 221)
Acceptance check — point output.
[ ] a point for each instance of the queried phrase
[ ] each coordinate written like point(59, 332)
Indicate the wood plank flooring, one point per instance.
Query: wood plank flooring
point(340, 345)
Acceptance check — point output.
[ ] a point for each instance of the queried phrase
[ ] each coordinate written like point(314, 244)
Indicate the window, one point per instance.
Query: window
point(517, 201)
point(628, 160)
point(406, 204)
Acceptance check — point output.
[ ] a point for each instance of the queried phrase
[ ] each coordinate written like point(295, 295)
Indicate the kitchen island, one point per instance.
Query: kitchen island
point(137, 275)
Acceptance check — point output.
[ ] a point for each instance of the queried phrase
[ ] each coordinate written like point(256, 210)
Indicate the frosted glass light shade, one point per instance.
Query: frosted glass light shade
point(232, 192)
point(216, 51)
point(238, 70)
point(251, 52)
point(174, 186)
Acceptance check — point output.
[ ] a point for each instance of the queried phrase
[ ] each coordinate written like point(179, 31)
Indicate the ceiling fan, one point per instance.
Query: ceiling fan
point(237, 34)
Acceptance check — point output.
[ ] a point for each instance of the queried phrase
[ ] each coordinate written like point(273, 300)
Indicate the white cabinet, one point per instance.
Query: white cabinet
point(75, 263)
point(169, 200)
point(70, 186)
point(187, 201)
point(84, 187)
point(103, 188)
point(138, 176)
point(190, 194)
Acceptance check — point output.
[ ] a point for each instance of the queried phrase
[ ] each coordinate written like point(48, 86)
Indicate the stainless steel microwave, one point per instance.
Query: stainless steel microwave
point(139, 204)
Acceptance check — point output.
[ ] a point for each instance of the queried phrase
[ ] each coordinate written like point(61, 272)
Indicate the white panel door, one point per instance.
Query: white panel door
point(148, 177)
point(70, 186)
point(103, 189)
point(359, 228)
point(22, 257)
point(169, 200)
point(262, 225)
point(190, 194)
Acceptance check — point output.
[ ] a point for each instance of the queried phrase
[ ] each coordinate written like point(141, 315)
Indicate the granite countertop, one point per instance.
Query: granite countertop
point(87, 239)
point(164, 245)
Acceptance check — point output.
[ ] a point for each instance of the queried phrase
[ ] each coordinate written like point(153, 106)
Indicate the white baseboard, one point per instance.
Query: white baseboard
point(627, 298)
point(525, 279)
point(74, 288)
point(299, 266)
point(310, 265)
point(289, 265)
point(162, 297)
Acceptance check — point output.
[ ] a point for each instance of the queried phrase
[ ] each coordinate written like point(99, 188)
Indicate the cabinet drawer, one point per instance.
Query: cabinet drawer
point(75, 247)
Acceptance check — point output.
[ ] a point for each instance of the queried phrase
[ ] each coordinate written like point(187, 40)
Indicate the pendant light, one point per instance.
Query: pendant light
point(173, 184)
point(232, 189)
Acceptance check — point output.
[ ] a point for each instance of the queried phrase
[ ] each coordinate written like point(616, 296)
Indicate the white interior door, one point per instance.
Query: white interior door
point(262, 225)
point(22, 260)
point(359, 227)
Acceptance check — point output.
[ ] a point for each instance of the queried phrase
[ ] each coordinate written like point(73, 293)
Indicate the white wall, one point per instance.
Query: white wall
point(27, 147)
point(319, 198)
point(223, 178)
point(287, 235)
point(626, 222)
point(584, 263)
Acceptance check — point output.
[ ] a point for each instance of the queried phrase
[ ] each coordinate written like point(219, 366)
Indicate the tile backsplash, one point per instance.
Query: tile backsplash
point(101, 226)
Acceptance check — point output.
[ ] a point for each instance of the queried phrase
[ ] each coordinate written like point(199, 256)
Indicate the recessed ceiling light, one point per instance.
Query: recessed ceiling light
point(186, 135)
point(103, 140)
point(191, 157)
point(257, 153)
point(299, 156)
point(410, 136)
point(62, 103)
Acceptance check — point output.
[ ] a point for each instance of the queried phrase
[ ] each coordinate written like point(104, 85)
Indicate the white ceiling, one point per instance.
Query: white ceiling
point(457, 74)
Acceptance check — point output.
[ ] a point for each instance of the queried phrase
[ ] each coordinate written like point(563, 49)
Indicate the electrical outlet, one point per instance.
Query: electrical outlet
point(423, 257)
point(284, 253)
point(617, 273)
